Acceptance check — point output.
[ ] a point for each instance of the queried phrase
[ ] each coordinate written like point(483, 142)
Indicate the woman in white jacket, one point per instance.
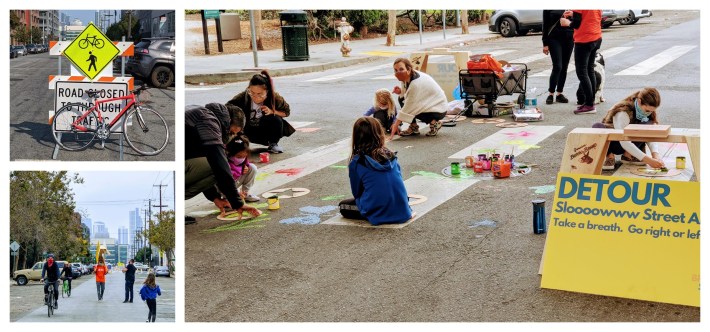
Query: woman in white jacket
point(420, 97)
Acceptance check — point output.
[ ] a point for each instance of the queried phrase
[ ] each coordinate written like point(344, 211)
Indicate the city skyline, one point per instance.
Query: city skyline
point(87, 16)
point(108, 197)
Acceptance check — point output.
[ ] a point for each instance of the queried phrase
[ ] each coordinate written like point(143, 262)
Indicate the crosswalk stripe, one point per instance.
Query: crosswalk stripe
point(202, 88)
point(495, 53)
point(504, 140)
point(348, 73)
point(657, 61)
point(300, 124)
point(606, 53)
point(529, 58)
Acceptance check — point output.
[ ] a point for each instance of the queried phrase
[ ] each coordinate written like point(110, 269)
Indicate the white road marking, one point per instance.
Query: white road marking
point(300, 124)
point(444, 57)
point(657, 61)
point(606, 53)
point(348, 73)
point(500, 141)
point(201, 89)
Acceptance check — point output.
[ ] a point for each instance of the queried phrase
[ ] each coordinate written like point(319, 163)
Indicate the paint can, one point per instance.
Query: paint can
point(273, 202)
point(482, 156)
point(478, 167)
point(680, 162)
point(501, 169)
point(539, 224)
point(486, 164)
point(469, 161)
point(455, 170)
point(264, 157)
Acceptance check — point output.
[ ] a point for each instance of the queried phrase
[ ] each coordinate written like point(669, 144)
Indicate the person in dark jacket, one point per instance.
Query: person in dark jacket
point(265, 110)
point(68, 274)
point(587, 41)
point(130, 271)
point(375, 178)
point(207, 129)
point(50, 269)
point(558, 42)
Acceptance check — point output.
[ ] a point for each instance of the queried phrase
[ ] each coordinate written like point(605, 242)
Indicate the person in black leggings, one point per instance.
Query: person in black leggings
point(558, 42)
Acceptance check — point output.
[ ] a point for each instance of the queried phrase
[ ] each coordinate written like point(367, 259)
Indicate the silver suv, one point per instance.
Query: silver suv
point(511, 23)
point(154, 60)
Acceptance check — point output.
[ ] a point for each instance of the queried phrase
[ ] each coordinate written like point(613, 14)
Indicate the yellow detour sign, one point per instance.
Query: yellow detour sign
point(91, 51)
point(625, 237)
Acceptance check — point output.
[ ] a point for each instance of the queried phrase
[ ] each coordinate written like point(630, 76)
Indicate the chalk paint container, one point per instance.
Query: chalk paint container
point(273, 202)
point(264, 157)
point(478, 167)
point(455, 169)
point(680, 162)
point(538, 216)
point(469, 161)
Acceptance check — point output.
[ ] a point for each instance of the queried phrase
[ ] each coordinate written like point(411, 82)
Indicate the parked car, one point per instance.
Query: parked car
point(154, 60)
point(609, 16)
point(32, 48)
point(634, 16)
point(162, 271)
point(21, 50)
point(22, 277)
point(511, 23)
point(77, 270)
point(13, 52)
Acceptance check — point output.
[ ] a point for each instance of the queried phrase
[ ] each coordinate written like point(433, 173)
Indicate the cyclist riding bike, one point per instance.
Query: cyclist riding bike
point(66, 271)
point(52, 271)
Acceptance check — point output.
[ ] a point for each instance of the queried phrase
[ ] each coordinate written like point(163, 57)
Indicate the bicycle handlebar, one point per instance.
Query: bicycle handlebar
point(137, 91)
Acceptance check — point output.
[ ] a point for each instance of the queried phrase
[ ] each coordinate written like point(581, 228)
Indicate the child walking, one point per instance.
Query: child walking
point(375, 178)
point(383, 109)
point(243, 171)
point(149, 293)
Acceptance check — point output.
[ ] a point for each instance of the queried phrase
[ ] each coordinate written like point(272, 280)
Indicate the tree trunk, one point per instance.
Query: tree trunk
point(391, 27)
point(257, 27)
point(464, 22)
point(363, 31)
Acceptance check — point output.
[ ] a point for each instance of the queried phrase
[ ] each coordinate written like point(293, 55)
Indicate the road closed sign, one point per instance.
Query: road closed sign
point(91, 51)
point(75, 92)
point(625, 237)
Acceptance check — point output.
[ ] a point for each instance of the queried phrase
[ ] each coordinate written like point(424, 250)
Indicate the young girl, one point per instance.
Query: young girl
point(149, 293)
point(383, 109)
point(375, 178)
point(243, 171)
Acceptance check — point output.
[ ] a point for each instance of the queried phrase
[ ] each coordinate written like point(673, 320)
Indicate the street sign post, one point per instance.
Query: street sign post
point(14, 246)
point(91, 51)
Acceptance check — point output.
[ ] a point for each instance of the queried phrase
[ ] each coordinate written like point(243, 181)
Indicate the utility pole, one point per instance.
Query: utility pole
point(160, 196)
point(145, 221)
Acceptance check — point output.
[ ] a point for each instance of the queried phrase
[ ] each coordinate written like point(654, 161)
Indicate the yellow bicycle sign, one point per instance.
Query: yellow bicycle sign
point(91, 51)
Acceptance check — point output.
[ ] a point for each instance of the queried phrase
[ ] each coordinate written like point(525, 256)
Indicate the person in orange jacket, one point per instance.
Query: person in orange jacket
point(100, 270)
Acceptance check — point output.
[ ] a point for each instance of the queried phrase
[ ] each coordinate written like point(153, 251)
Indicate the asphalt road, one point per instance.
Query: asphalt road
point(441, 267)
point(31, 100)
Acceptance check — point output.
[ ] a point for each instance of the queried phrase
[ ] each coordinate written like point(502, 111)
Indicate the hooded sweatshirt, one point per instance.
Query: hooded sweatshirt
point(148, 292)
point(379, 190)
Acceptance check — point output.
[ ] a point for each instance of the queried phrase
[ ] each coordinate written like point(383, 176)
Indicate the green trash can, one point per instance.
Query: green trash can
point(294, 35)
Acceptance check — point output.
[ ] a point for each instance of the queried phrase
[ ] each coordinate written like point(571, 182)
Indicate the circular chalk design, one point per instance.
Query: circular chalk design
point(450, 118)
point(655, 172)
point(234, 215)
point(295, 192)
point(484, 121)
point(415, 199)
point(511, 125)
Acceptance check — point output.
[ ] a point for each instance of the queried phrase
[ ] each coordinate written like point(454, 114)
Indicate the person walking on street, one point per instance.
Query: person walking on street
point(51, 270)
point(558, 42)
point(130, 271)
point(149, 293)
point(420, 97)
point(100, 271)
point(587, 41)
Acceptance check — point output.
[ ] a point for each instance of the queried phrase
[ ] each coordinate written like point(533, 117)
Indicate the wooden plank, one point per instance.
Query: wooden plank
point(639, 130)
point(584, 152)
point(694, 150)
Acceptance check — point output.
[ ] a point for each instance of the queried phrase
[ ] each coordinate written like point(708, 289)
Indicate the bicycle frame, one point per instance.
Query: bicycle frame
point(96, 108)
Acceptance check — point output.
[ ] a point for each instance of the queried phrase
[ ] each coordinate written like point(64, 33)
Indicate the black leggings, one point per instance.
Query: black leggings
point(54, 285)
point(384, 119)
point(429, 117)
point(269, 130)
point(560, 53)
point(584, 54)
point(349, 210)
point(152, 304)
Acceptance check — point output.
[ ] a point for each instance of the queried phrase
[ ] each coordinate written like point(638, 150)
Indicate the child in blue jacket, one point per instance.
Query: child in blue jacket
point(149, 293)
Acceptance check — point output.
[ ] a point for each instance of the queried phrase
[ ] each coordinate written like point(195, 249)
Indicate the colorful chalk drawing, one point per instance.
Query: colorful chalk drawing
point(310, 215)
point(307, 130)
point(544, 189)
point(289, 171)
point(482, 223)
point(428, 174)
point(240, 224)
point(522, 133)
point(261, 176)
point(333, 198)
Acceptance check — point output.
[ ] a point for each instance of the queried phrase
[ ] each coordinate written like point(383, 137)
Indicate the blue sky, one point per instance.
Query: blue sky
point(108, 196)
point(87, 16)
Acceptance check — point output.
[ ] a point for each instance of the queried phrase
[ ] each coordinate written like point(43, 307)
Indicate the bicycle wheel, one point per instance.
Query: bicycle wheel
point(50, 305)
point(83, 44)
point(146, 131)
point(66, 134)
point(99, 43)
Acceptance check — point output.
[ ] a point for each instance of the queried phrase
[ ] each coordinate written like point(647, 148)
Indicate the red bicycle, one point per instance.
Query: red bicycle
point(76, 125)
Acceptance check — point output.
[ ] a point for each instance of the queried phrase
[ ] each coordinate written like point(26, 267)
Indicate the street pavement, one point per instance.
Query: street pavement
point(84, 306)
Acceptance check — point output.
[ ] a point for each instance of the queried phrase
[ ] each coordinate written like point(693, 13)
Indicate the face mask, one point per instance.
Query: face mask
point(50, 262)
point(641, 115)
point(402, 76)
point(239, 161)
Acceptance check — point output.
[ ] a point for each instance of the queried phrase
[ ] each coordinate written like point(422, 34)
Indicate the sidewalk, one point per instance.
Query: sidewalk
point(240, 67)
point(84, 306)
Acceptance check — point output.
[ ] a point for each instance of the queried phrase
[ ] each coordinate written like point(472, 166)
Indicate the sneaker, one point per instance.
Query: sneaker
point(412, 130)
point(550, 99)
point(584, 109)
point(434, 128)
point(609, 163)
point(251, 198)
point(561, 99)
point(275, 148)
point(631, 160)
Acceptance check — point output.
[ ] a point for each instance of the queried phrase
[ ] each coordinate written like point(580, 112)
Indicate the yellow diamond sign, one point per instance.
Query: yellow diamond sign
point(91, 51)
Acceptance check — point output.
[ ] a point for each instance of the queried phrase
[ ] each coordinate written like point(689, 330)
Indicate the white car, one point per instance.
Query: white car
point(162, 271)
point(634, 16)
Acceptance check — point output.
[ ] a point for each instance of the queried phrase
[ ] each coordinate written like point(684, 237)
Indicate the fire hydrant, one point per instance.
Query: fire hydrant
point(345, 29)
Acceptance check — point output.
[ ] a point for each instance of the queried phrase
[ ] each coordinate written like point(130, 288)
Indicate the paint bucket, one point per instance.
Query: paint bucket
point(264, 157)
point(455, 170)
point(539, 216)
point(478, 167)
point(486, 164)
point(501, 169)
point(273, 202)
point(470, 161)
point(680, 162)
point(482, 156)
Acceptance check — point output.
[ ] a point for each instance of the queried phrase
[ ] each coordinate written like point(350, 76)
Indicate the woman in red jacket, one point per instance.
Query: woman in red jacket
point(587, 41)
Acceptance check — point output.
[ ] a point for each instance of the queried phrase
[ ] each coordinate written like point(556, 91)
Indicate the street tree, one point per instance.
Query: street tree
point(14, 20)
point(391, 27)
point(162, 235)
point(464, 22)
point(36, 35)
point(143, 255)
point(257, 28)
point(118, 30)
